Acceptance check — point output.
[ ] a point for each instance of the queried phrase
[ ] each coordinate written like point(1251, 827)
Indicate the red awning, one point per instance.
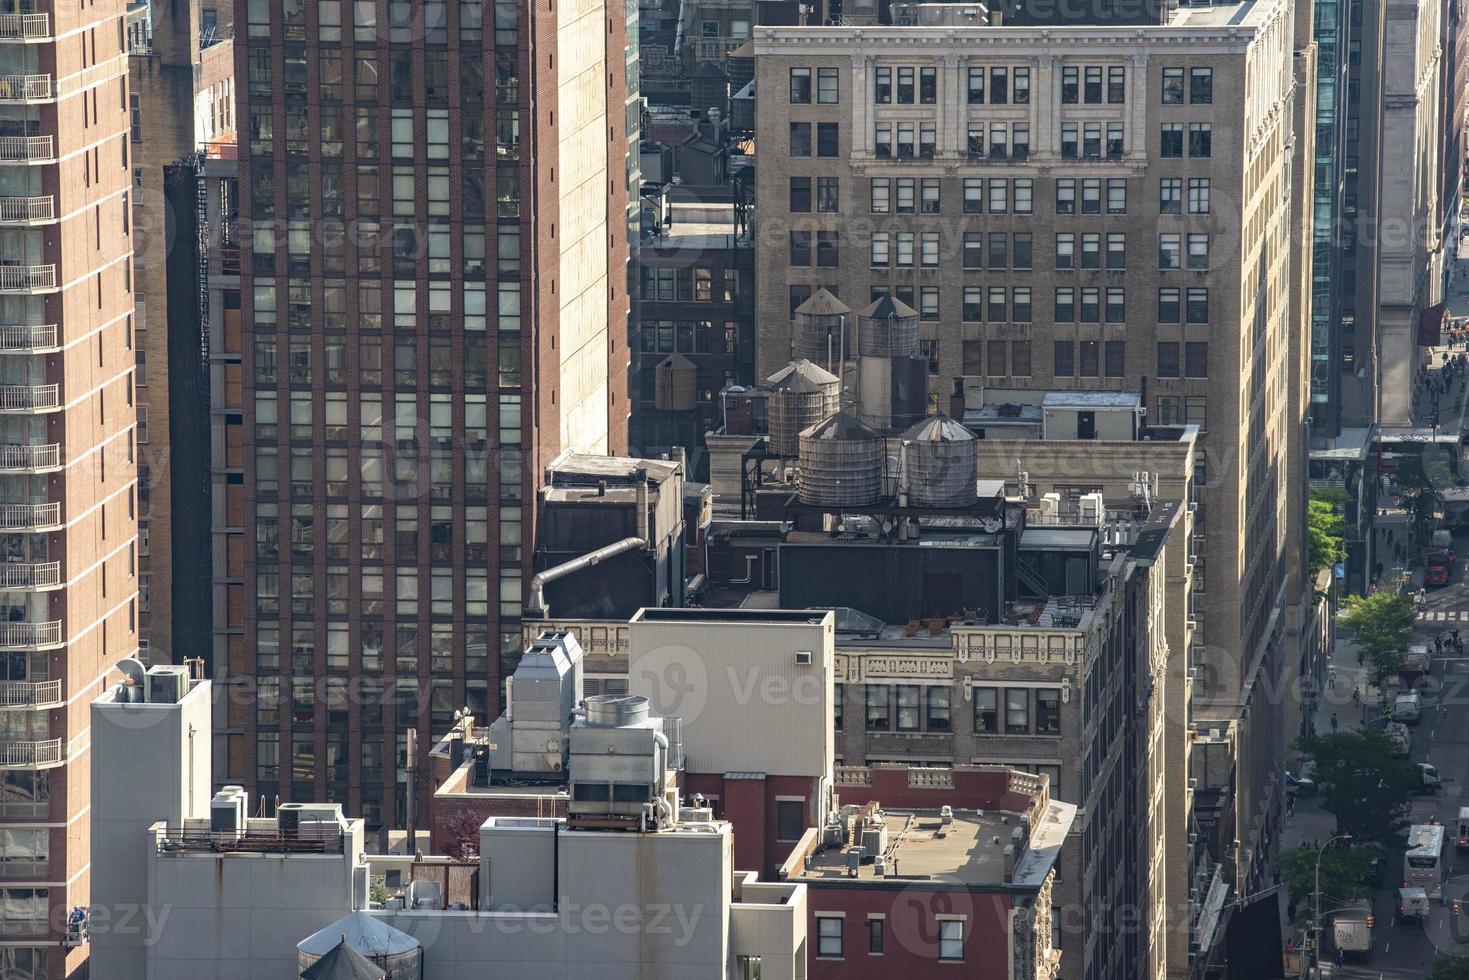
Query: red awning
point(1431, 325)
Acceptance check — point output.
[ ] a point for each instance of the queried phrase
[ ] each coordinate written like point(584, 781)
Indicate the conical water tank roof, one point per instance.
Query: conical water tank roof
point(818, 325)
point(801, 394)
point(343, 962)
point(940, 463)
point(395, 954)
point(887, 327)
point(841, 463)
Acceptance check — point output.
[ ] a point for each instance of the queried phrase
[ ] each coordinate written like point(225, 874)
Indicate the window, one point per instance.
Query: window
point(828, 194)
point(1020, 311)
point(1200, 86)
point(1066, 196)
point(1068, 141)
point(1065, 305)
point(800, 141)
point(1167, 359)
point(1088, 361)
point(986, 699)
point(996, 368)
point(1070, 85)
point(928, 85)
point(1047, 711)
point(974, 195)
point(828, 935)
point(1091, 196)
point(1200, 140)
point(878, 252)
point(1020, 250)
point(973, 250)
point(1020, 141)
point(1091, 92)
point(838, 702)
point(1091, 311)
point(999, 85)
point(1024, 201)
point(877, 708)
point(973, 310)
point(1114, 355)
point(1066, 251)
point(826, 86)
point(927, 140)
point(1170, 195)
point(998, 258)
point(1017, 711)
point(938, 709)
point(951, 939)
point(882, 140)
point(975, 87)
point(1091, 141)
point(1198, 251)
point(1168, 305)
point(826, 139)
point(1197, 309)
point(1063, 363)
point(997, 305)
point(1116, 304)
point(999, 196)
point(1116, 143)
point(905, 86)
point(1173, 86)
point(874, 935)
point(790, 819)
point(1020, 86)
point(1198, 195)
point(905, 195)
point(908, 706)
point(1195, 359)
point(1170, 249)
point(1116, 84)
point(1172, 141)
point(800, 195)
point(1194, 409)
point(800, 249)
point(800, 86)
point(1168, 411)
point(1116, 250)
point(880, 195)
point(905, 249)
point(1117, 196)
point(882, 92)
point(929, 195)
point(928, 309)
point(928, 251)
point(1091, 250)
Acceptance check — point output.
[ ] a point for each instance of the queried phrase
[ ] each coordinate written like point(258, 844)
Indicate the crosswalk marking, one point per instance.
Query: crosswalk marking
point(1444, 616)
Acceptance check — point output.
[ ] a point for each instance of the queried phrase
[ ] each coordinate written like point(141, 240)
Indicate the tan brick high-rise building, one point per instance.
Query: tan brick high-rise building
point(434, 302)
point(1085, 208)
point(68, 492)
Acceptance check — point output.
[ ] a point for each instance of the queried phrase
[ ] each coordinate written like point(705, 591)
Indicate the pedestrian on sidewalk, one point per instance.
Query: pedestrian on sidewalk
point(1333, 721)
point(1438, 646)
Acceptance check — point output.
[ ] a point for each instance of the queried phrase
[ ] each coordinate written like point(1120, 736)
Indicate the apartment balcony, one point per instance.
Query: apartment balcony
point(30, 694)
point(26, 89)
point(28, 517)
point(30, 459)
point(30, 399)
point(27, 210)
point(28, 636)
point(29, 338)
point(45, 754)
point(27, 149)
point(28, 278)
point(25, 27)
point(20, 576)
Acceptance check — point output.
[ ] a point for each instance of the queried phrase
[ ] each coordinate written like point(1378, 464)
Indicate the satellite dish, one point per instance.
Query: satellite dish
point(132, 670)
point(991, 525)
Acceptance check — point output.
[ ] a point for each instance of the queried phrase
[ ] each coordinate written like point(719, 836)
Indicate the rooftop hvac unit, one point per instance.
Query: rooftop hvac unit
point(425, 895)
point(290, 816)
point(227, 811)
point(1050, 505)
point(1092, 508)
point(167, 684)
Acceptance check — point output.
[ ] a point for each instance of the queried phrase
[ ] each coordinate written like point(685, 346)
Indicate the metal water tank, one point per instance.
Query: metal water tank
point(940, 457)
point(801, 394)
point(887, 327)
point(841, 463)
point(676, 386)
point(396, 954)
point(616, 710)
point(818, 328)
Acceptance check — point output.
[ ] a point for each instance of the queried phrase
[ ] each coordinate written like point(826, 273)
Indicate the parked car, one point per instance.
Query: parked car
point(1302, 785)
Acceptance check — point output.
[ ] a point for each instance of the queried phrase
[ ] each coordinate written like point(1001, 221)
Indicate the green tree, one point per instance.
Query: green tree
point(1451, 966)
point(1382, 625)
point(1361, 783)
point(1344, 871)
point(1327, 529)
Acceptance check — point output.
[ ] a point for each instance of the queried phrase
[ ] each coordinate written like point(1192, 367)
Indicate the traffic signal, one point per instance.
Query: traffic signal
point(1371, 919)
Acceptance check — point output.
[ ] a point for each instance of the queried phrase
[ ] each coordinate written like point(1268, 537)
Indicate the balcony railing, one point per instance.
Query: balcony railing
point(27, 278)
point(16, 576)
point(29, 635)
point(26, 88)
point(31, 755)
point(28, 337)
point(30, 694)
point(27, 210)
point(27, 149)
point(21, 517)
point(25, 27)
point(24, 459)
point(29, 398)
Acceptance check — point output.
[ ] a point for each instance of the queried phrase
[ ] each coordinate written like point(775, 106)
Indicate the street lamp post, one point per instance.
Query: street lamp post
point(1316, 897)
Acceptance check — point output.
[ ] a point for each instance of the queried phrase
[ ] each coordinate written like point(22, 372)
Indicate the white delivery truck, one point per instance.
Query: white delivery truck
point(1413, 906)
point(1351, 931)
point(1407, 708)
point(1401, 738)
